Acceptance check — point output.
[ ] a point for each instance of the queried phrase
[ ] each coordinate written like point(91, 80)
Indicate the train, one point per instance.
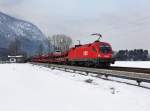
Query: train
point(96, 54)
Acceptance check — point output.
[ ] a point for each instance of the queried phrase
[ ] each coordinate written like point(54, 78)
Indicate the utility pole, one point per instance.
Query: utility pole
point(79, 42)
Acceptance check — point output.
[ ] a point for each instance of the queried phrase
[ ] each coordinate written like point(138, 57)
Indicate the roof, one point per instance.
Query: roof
point(18, 56)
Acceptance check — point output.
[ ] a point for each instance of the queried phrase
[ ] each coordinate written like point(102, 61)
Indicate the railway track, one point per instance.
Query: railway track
point(130, 69)
point(137, 74)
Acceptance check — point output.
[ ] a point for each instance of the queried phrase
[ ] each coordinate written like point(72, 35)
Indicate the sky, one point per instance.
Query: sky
point(123, 23)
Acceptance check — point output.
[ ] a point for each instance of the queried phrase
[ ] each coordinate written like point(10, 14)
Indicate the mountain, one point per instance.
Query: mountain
point(27, 33)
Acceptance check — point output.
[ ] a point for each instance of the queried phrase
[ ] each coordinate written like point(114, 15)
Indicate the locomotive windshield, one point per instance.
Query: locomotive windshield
point(105, 49)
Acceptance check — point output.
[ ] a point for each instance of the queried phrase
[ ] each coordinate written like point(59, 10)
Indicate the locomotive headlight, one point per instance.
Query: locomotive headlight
point(99, 55)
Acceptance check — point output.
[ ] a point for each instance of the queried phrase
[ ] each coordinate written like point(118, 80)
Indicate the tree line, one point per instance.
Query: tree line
point(58, 42)
point(132, 55)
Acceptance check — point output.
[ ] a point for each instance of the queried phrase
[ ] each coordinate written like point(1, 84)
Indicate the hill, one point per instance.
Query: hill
point(29, 35)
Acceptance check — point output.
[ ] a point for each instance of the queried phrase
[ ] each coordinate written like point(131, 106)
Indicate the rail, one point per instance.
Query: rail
point(131, 69)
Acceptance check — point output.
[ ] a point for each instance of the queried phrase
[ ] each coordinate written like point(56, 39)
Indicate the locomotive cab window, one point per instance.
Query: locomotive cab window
point(105, 49)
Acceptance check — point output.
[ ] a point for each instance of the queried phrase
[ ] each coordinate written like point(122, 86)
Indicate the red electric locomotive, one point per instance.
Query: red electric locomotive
point(94, 54)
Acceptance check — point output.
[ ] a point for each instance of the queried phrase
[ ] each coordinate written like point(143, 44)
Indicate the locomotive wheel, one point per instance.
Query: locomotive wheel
point(88, 64)
point(72, 63)
point(105, 65)
point(102, 65)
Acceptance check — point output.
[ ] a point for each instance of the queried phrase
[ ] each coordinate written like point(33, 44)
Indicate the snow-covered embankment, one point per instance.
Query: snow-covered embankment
point(24, 87)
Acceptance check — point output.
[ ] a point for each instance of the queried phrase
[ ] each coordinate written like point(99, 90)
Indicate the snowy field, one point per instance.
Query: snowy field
point(24, 87)
point(137, 64)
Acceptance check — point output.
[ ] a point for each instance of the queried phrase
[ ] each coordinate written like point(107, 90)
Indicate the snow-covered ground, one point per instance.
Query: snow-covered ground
point(25, 87)
point(138, 64)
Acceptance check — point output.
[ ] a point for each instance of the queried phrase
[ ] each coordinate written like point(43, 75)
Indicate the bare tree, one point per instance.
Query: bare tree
point(40, 49)
point(61, 42)
point(15, 47)
point(49, 44)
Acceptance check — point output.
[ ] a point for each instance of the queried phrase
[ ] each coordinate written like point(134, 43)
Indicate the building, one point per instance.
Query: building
point(16, 59)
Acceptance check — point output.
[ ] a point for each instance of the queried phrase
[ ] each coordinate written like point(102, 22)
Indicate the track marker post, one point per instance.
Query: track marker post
point(139, 82)
point(87, 73)
point(106, 76)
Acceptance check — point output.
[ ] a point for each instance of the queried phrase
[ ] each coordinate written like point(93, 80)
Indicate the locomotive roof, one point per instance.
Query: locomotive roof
point(86, 45)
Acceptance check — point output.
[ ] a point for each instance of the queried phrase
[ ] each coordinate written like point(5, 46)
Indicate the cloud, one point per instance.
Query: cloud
point(125, 24)
point(10, 2)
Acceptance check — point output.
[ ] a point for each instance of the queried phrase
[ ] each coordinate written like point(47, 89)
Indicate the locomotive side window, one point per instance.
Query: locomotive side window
point(105, 49)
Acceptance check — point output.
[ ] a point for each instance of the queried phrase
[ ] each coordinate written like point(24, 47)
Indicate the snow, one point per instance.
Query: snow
point(25, 87)
point(137, 64)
